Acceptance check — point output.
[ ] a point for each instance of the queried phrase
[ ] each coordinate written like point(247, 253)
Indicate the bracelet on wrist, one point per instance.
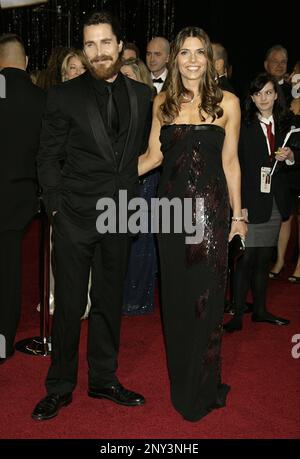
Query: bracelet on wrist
point(238, 219)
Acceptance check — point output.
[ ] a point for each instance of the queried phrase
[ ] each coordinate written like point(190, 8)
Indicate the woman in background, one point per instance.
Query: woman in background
point(51, 75)
point(142, 268)
point(265, 197)
point(73, 65)
point(136, 69)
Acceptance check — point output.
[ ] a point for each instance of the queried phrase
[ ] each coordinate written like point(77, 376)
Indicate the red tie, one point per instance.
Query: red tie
point(271, 137)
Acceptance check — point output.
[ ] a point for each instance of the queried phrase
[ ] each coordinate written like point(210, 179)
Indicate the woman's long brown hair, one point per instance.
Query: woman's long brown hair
point(211, 94)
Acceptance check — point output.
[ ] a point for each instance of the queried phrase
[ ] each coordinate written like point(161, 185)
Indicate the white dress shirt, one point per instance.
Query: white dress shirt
point(163, 76)
point(263, 122)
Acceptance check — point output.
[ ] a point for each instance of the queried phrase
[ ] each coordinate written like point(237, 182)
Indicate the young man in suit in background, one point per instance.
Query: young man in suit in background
point(221, 66)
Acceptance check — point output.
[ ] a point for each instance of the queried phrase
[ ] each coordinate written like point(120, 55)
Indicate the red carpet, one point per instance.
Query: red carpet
point(264, 401)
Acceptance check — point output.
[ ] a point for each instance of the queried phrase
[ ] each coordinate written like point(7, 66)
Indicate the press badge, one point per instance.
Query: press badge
point(265, 180)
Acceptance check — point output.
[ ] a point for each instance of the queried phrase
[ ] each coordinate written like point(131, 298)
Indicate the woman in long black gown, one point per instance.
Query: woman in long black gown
point(195, 134)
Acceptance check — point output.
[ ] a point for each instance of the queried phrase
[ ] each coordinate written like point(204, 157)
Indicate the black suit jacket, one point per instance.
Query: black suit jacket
point(253, 154)
point(74, 133)
point(20, 114)
point(225, 84)
point(286, 89)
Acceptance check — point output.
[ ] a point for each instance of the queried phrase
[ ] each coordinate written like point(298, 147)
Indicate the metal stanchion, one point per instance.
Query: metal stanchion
point(41, 345)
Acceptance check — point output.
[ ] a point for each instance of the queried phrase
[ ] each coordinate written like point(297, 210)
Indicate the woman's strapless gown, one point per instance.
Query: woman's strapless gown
point(194, 275)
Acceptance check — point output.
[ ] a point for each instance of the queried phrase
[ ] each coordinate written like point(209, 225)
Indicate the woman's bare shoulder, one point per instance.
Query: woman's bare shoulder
point(229, 99)
point(231, 109)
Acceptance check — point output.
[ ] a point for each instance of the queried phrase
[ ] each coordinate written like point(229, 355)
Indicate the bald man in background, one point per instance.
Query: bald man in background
point(21, 111)
point(157, 56)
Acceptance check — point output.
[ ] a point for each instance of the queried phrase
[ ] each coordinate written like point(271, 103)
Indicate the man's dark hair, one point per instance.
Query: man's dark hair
point(133, 47)
point(104, 17)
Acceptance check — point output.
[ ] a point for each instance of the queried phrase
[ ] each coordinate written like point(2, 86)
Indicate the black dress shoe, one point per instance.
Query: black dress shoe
point(118, 394)
point(49, 406)
point(268, 317)
point(273, 275)
point(248, 307)
point(229, 307)
point(294, 279)
point(235, 324)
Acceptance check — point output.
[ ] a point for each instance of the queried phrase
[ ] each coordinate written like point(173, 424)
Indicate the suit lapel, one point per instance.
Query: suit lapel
point(133, 122)
point(261, 141)
point(102, 140)
point(264, 147)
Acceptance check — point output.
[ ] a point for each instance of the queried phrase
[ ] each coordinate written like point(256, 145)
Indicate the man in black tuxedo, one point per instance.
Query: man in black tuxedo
point(21, 108)
point(97, 124)
point(221, 66)
point(157, 56)
point(275, 64)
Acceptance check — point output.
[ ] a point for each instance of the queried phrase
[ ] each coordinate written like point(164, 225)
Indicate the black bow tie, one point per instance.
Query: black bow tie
point(157, 80)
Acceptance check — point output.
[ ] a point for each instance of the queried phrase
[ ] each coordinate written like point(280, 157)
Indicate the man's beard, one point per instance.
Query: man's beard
point(102, 72)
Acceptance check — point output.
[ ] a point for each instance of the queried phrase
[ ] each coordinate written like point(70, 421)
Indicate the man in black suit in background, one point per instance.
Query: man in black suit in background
point(21, 108)
point(275, 64)
point(97, 124)
point(221, 66)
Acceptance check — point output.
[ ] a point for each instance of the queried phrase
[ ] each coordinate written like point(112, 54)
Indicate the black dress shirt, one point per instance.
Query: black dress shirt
point(122, 104)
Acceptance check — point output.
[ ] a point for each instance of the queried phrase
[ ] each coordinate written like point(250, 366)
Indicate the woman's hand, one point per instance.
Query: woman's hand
point(240, 228)
point(245, 215)
point(282, 154)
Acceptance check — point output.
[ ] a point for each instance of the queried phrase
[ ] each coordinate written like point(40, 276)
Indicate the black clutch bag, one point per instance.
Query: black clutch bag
point(236, 247)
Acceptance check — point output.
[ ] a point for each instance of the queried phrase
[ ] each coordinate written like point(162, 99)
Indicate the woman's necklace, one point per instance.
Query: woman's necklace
point(187, 98)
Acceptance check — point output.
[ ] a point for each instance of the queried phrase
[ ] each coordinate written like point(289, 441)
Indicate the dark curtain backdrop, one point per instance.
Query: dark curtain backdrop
point(47, 26)
point(247, 29)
